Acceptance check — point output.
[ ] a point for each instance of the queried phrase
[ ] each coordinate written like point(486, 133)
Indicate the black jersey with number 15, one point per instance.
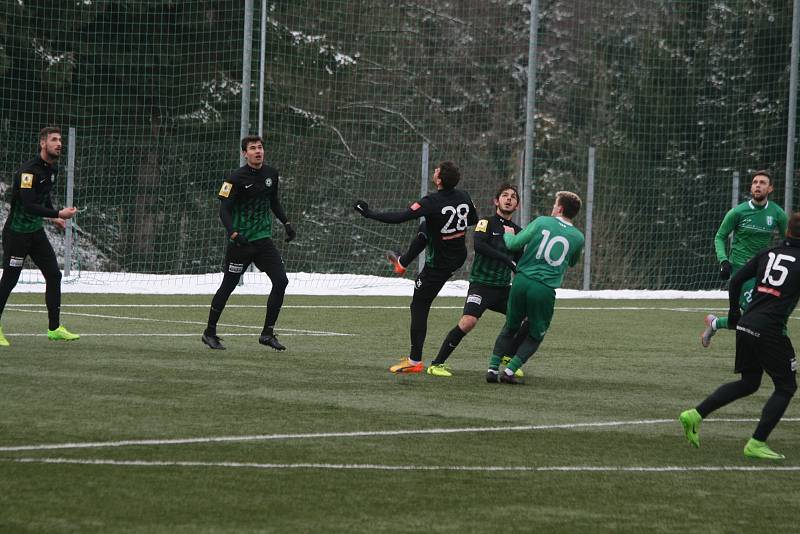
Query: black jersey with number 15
point(448, 213)
point(777, 289)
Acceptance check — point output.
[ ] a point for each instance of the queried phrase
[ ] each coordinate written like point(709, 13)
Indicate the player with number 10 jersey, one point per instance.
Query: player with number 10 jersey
point(552, 244)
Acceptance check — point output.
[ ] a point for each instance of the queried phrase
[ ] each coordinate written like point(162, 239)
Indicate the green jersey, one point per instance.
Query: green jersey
point(553, 244)
point(30, 196)
point(249, 197)
point(753, 227)
point(493, 263)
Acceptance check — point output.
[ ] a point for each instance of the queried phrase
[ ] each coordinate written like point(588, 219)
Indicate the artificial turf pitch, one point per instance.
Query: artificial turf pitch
point(138, 427)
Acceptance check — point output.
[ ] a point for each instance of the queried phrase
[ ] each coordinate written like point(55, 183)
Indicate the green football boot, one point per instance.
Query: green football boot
point(61, 334)
point(439, 370)
point(3, 341)
point(518, 373)
point(760, 450)
point(691, 419)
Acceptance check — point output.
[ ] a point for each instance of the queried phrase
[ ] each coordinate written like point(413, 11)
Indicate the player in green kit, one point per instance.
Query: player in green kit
point(551, 245)
point(753, 224)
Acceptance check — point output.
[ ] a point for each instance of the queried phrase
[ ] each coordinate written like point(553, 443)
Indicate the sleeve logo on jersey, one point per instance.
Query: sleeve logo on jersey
point(225, 190)
point(483, 224)
point(474, 299)
point(415, 206)
point(26, 181)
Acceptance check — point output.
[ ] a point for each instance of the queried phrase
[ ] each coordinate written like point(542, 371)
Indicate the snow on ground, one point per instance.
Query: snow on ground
point(256, 283)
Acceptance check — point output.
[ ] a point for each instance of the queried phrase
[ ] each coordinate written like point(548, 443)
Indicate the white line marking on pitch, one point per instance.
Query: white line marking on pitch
point(174, 321)
point(379, 467)
point(375, 433)
point(222, 335)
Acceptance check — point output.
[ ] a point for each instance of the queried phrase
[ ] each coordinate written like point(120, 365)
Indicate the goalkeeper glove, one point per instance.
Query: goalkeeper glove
point(725, 270)
point(240, 240)
point(290, 232)
point(362, 208)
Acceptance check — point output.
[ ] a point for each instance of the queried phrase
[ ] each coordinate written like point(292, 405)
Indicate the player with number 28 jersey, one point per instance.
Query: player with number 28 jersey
point(448, 213)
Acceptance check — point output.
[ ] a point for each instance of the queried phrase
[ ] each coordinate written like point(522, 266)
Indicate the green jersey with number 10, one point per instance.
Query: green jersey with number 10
point(551, 245)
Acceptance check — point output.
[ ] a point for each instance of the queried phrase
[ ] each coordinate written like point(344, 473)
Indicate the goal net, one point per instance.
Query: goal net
point(676, 97)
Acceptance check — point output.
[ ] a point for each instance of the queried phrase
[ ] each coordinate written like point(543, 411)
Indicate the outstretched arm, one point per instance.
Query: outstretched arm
point(390, 217)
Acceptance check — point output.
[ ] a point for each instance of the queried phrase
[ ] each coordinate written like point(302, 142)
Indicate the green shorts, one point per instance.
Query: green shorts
point(534, 300)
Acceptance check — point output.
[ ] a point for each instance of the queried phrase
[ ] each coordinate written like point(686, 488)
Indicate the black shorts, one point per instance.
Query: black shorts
point(774, 354)
point(262, 253)
point(481, 297)
point(16, 246)
point(430, 281)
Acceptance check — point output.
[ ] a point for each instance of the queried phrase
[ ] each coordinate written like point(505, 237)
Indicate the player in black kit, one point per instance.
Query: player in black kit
point(761, 341)
point(23, 233)
point(448, 213)
point(246, 199)
point(489, 278)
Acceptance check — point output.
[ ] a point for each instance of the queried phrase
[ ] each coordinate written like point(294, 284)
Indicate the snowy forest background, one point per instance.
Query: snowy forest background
point(676, 96)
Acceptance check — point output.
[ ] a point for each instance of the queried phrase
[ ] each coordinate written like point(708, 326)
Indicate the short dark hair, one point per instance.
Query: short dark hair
point(762, 173)
point(504, 187)
point(449, 174)
point(793, 226)
point(251, 139)
point(570, 202)
point(45, 132)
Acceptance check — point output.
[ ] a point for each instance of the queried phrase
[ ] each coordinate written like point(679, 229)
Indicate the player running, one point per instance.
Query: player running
point(489, 278)
point(752, 224)
point(553, 245)
point(448, 212)
point(761, 342)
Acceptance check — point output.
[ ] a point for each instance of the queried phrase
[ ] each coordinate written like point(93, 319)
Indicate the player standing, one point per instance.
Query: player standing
point(761, 341)
point(448, 212)
point(489, 278)
point(553, 244)
point(752, 224)
point(23, 233)
point(247, 200)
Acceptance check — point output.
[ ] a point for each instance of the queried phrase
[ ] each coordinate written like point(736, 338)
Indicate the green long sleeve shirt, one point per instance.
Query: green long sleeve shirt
point(753, 228)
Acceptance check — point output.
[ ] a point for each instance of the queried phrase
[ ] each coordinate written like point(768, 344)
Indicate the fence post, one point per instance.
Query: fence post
point(423, 190)
point(587, 247)
point(68, 201)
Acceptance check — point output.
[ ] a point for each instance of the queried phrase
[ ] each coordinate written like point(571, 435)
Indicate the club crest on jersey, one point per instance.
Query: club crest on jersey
point(769, 220)
point(268, 182)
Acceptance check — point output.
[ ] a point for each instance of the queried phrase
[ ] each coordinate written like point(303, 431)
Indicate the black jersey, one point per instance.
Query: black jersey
point(777, 275)
point(30, 196)
point(493, 261)
point(249, 197)
point(448, 213)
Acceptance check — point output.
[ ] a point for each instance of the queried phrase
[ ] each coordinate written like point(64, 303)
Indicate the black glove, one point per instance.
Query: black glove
point(290, 233)
point(240, 240)
point(362, 208)
point(725, 270)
